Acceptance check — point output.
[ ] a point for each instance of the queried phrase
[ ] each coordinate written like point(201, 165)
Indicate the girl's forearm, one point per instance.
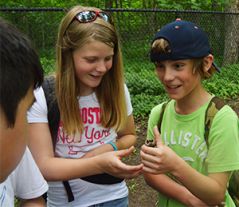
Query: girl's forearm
point(125, 141)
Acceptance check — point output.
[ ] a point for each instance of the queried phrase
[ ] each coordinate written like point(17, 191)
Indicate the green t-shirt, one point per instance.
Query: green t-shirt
point(185, 135)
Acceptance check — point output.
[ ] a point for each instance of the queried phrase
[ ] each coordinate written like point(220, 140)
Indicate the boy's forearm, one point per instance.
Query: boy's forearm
point(209, 189)
point(170, 188)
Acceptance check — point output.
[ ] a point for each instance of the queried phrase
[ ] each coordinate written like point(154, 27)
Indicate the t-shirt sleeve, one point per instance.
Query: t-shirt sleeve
point(128, 101)
point(29, 182)
point(38, 112)
point(223, 153)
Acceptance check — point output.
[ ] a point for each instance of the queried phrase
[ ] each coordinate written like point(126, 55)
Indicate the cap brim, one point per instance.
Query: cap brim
point(216, 67)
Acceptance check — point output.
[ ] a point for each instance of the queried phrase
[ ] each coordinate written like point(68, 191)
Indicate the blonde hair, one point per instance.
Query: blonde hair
point(110, 93)
point(162, 46)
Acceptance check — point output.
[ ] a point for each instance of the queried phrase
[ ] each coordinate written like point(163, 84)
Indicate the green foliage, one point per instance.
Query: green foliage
point(38, 26)
point(225, 84)
point(48, 3)
point(175, 4)
point(48, 65)
point(143, 82)
point(218, 5)
point(143, 103)
point(145, 90)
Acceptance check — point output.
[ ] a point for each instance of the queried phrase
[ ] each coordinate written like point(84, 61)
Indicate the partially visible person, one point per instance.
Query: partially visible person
point(96, 116)
point(186, 168)
point(25, 183)
point(20, 74)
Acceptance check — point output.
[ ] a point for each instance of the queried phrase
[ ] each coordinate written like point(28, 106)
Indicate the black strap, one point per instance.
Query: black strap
point(68, 191)
point(161, 116)
point(152, 143)
point(103, 179)
point(53, 116)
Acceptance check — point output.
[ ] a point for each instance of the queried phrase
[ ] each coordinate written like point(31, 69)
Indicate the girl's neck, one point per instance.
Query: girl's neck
point(86, 91)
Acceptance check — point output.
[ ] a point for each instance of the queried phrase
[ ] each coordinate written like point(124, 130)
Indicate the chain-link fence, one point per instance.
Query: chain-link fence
point(136, 28)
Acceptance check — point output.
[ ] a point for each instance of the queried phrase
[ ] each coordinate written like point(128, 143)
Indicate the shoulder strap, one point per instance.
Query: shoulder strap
point(161, 115)
point(152, 143)
point(214, 106)
point(53, 114)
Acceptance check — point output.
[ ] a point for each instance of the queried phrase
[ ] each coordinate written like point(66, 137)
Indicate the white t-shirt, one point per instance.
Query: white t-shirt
point(94, 135)
point(24, 182)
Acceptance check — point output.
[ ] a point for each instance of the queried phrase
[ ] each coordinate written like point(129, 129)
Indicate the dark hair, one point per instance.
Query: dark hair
point(20, 69)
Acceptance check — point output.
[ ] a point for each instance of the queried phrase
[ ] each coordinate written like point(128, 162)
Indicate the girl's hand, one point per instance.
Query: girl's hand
point(111, 163)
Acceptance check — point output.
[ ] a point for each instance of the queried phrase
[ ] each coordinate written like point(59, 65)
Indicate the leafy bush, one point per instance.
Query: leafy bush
point(225, 84)
point(48, 65)
point(145, 90)
point(143, 103)
point(143, 82)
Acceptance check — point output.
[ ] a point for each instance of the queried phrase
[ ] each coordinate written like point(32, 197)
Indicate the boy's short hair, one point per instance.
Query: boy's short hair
point(20, 69)
point(185, 41)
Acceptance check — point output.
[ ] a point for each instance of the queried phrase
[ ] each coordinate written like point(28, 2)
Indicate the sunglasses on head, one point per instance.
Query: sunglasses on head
point(90, 16)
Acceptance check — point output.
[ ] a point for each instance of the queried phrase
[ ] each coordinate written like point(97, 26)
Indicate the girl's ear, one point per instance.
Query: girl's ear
point(207, 63)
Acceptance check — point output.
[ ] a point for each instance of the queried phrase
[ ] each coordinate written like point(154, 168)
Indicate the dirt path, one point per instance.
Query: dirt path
point(140, 194)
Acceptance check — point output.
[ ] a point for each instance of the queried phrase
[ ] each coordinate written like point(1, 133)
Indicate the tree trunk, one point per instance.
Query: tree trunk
point(231, 49)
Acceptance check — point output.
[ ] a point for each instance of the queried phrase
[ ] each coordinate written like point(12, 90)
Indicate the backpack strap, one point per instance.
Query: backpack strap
point(161, 115)
point(53, 113)
point(214, 106)
point(53, 116)
point(152, 143)
point(68, 191)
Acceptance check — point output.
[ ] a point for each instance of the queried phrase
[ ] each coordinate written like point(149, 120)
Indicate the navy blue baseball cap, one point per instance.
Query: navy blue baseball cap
point(186, 41)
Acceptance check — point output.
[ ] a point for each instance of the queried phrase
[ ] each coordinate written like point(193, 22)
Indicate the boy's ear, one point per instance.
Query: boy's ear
point(207, 62)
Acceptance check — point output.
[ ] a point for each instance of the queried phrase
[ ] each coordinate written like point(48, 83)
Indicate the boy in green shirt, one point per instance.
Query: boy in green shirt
point(185, 169)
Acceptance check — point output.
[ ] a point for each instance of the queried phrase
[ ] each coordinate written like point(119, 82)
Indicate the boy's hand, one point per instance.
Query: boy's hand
point(157, 136)
point(150, 143)
point(160, 159)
